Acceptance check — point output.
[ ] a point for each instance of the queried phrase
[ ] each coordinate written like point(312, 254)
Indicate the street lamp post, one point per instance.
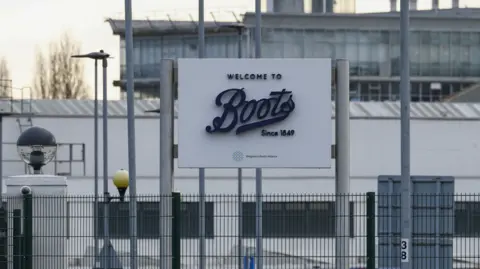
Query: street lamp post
point(100, 55)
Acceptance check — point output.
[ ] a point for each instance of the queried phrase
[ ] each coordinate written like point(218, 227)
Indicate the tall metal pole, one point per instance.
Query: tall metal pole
point(406, 210)
point(258, 171)
point(166, 160)
point(95, 159)
point(106, 215)
point(201, 171)
point(342, 165)
point(132, 166)
point(240, 187)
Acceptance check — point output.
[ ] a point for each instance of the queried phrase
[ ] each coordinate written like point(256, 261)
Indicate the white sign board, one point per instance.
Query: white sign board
point(254, 113)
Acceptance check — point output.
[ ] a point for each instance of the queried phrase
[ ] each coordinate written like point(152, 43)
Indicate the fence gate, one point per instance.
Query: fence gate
point(432, 222)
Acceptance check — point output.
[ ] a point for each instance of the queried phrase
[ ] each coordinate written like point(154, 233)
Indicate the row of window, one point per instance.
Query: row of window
point(371, 53)
point(390, 91)
point(280, 220)
point(363, 91)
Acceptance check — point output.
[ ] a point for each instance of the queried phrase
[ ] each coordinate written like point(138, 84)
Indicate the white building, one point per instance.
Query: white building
point(445, 142)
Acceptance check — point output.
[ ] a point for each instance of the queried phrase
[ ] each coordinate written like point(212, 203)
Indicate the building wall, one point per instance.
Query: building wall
point(448, 147)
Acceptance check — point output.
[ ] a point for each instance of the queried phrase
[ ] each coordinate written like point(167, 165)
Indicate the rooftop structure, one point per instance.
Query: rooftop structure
point(313, 6)
point(358, 110)
point(445, 50)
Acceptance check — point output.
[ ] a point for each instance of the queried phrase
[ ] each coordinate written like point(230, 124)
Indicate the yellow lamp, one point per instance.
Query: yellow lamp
point(121, 181)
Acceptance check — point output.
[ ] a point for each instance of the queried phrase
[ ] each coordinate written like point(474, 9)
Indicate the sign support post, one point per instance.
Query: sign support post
point(239, 177)
point(258, 171)
point(342, 164)
point(166, 160)
point(406, 203)
point(201, 171)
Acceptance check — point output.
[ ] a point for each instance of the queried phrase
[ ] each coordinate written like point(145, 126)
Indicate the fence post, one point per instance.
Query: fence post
point(3, 238)
point(176, 239)
point(28, 230)
point(370, 230)
point(17, 239)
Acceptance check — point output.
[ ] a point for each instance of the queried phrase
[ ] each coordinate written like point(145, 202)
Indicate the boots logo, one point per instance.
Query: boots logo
point(242, 115)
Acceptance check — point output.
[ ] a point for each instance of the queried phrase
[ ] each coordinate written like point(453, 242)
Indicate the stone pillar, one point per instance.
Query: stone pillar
point(49, 201)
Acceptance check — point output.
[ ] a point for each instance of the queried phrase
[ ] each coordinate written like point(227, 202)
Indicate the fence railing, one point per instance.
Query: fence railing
point(299, 231)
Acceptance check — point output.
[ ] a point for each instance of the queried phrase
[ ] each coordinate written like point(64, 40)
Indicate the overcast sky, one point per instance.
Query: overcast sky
point(28, 24)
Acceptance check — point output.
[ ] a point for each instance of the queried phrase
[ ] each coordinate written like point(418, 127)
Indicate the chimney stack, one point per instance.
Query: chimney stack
point(413, 4)
point(290, 6)
point(393, 5)
point(270, 6)
point(455, 4)
point(435, 4)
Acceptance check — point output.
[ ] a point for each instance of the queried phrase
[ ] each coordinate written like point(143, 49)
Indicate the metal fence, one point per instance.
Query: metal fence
point(299, 231)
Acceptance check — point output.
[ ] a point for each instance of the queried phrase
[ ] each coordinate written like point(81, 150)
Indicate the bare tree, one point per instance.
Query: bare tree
point(58, 76)
point(40, 82)
point(5, 80)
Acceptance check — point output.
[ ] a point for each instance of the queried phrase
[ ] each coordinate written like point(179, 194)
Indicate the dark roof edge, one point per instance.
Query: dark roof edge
point(118, 26)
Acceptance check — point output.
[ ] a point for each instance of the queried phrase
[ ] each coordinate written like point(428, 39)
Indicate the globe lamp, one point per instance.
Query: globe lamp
point(36, 147)
point(121, 181)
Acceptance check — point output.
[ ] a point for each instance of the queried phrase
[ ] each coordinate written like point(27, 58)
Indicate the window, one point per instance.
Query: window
point(294, 219)
point(467, 219)
point(148, 217)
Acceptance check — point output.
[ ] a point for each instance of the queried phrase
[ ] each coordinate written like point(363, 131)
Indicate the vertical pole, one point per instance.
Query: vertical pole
point(201, 171)
point(106, 217)
point(370, 230)
point(258, 171)
point(176, 240)
point(240, 178)
point(240, 219)
point(166, 160)
point(3, 238)
point(95, 162)
point(28, 231)
point(201, 29)
point(202, 245)
point(406, 211)
point(132, 166)
point(17, 247)
point(240, 43)
point(342, 165)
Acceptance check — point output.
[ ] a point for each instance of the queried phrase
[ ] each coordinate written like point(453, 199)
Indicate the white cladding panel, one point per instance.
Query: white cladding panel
point(439, 147)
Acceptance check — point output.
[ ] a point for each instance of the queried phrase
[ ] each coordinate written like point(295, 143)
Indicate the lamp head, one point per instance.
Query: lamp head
point(37, 147)
point(121, 181)
point(100, 55)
